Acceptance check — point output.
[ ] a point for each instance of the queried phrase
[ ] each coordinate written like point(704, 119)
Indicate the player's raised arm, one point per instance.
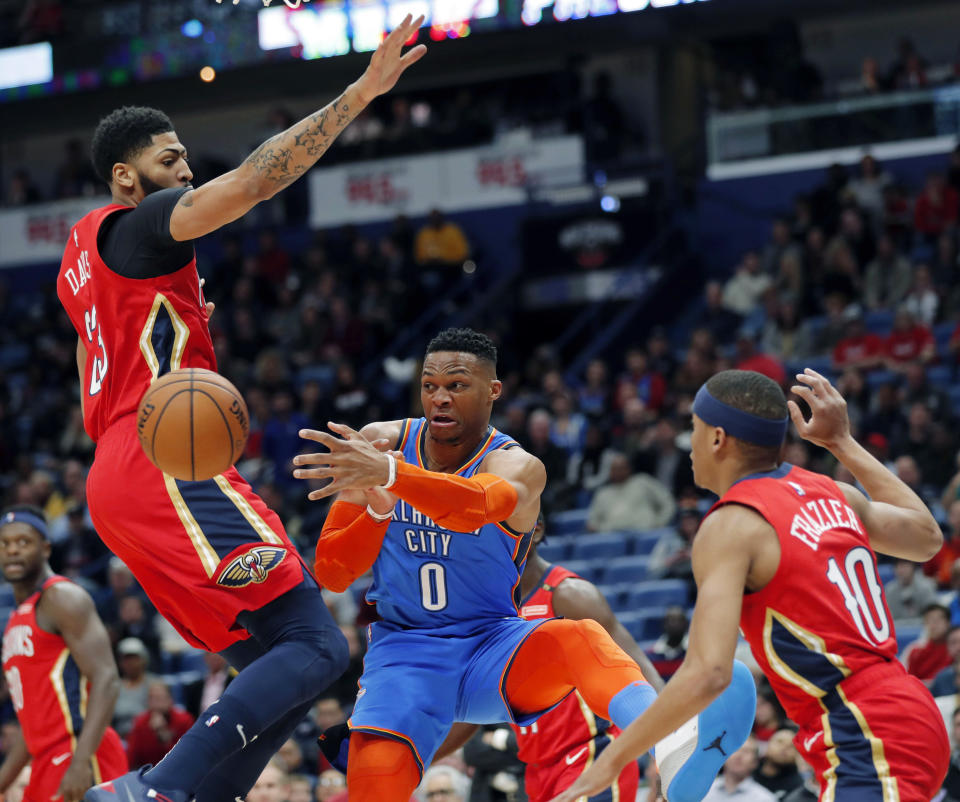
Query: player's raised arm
point(354, 529)
point(722, 557)
point(897, 521)
point(283, 158)
point(507, 488)
point(73, 613)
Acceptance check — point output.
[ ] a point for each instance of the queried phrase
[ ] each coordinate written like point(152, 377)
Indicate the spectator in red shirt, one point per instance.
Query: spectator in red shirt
point(158, 728)
point(749, 358)
point(942, 563)
point(650, 386)
point(909, 342)
point(936, 208)
point(928, 655)
point(859, 348)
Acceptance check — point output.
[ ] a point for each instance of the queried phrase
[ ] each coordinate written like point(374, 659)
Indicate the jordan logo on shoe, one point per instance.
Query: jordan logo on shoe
point(715, 744)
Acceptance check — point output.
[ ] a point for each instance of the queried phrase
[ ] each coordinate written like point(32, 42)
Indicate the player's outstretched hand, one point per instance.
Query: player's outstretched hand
point(389, 61)
point(600, 776)
point(829, 423)
point(353, 462)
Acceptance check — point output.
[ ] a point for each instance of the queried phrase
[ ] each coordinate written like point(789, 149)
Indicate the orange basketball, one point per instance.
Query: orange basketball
point(192, 424)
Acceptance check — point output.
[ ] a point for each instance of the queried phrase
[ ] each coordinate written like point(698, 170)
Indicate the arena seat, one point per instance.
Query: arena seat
point(607, 546)
point(954, 393)
point(879, 321)
point(588, 569)
point(554, 551)
point(643, 624)
point(626, 569)
point(942, 333)
point(617, 596)
point(878, 378)
point(906, 636)
point(661, 593)
point(885, 572)
point(644, 542)
point(567, 522)
point(940, 375)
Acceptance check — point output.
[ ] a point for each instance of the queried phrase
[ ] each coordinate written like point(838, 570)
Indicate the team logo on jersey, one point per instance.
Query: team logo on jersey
point(251, 566)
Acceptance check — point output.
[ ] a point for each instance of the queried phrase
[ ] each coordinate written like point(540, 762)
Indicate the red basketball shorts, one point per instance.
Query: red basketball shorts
point(202, 551)
point(46, 770)
point(543, 783)
point(882, 739)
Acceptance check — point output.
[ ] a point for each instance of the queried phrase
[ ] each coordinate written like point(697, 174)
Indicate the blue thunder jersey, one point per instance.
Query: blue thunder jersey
point(429, 577)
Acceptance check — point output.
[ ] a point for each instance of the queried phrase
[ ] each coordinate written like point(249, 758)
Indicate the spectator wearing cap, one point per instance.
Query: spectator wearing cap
point(859, 348)
point(909, 343)
point(133, 660)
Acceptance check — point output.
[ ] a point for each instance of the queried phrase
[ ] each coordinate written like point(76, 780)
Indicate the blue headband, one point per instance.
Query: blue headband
point(24, 517)
point(737, 423)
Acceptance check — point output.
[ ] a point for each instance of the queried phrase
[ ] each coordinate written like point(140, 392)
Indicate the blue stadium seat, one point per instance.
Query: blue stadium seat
point(885, 572)
point(607, 546)
point(617, 596)
point(589, 569)
point(321, 374)
point(942, 332)
point(662, 593)
point(906, 636)
point(626, 569)
point(643, 625)
point(879, 321)
point(644, 542)
point(554, 551)
point(568, 522)
point(878, 378)
point(940, 375)
point(954, 393)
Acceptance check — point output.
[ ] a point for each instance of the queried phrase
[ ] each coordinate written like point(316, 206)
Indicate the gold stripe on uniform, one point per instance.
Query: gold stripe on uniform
point(262, 528)
point(181, 332)
point(56, 679)
point(891, 792)
point(813, 642)
point(208, 557)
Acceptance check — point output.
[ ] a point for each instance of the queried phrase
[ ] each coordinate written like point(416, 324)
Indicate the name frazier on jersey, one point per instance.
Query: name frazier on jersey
point(424, 541)
point(820, 515)
point(18, 642)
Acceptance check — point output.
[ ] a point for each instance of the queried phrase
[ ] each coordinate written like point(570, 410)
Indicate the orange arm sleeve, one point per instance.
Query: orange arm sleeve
point(456, 502)
point(348, 545)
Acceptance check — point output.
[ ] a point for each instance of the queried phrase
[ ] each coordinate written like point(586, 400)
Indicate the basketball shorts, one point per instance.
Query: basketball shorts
point(416, 682)
point(881, 739)
point(544, 782)
point(202, 551)
point(47, 770)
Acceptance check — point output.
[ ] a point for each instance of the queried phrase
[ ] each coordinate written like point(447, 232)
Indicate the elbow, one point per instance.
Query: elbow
point(716, 679)
point(111, 686)
point(934, 541)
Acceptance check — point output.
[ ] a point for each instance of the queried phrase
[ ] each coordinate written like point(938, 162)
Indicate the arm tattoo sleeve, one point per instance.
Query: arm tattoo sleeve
point(283, 158)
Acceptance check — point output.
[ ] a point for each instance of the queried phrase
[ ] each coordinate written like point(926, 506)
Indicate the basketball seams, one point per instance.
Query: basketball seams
point(226, 421)
point(193, 423)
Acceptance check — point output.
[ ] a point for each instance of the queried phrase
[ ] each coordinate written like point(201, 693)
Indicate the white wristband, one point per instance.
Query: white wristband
point(377, 516)
point(392, 475)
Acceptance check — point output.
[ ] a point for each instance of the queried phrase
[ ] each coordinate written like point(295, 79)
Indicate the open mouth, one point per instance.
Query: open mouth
point(442, 420)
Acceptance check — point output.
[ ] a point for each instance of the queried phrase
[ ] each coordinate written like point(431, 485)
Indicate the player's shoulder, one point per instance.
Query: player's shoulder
point(731, 523)
point(66, 597)
point(576, 598)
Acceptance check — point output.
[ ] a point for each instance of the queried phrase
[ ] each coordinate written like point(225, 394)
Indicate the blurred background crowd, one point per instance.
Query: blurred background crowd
point(846, 260)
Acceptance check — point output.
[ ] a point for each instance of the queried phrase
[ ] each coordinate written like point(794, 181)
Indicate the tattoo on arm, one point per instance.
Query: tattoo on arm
point(283, 158)
point(186, 199)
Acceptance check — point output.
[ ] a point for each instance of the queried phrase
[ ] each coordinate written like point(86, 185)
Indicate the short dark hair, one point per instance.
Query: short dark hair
point(937, 606)
point(123, 133)
point(465, 341)
point(757, 394)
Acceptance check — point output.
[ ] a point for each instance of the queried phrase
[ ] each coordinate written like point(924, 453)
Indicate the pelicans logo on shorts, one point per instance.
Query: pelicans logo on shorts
point(251, 566)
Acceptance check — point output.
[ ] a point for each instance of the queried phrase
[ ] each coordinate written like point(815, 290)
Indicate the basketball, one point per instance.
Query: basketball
point(192, 424)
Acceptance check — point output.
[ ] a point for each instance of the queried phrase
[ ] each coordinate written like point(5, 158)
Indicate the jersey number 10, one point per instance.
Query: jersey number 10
point(867, 608)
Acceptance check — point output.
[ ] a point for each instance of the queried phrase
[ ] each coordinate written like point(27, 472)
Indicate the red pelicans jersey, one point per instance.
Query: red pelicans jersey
point(133, 330)
point(560, 745)
point(823, 616)
point(47, 691)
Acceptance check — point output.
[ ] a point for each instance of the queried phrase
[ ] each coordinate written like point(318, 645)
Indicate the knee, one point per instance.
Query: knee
point(329, 656)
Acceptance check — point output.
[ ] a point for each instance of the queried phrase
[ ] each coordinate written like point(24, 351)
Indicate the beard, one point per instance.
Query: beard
point(149, 187)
